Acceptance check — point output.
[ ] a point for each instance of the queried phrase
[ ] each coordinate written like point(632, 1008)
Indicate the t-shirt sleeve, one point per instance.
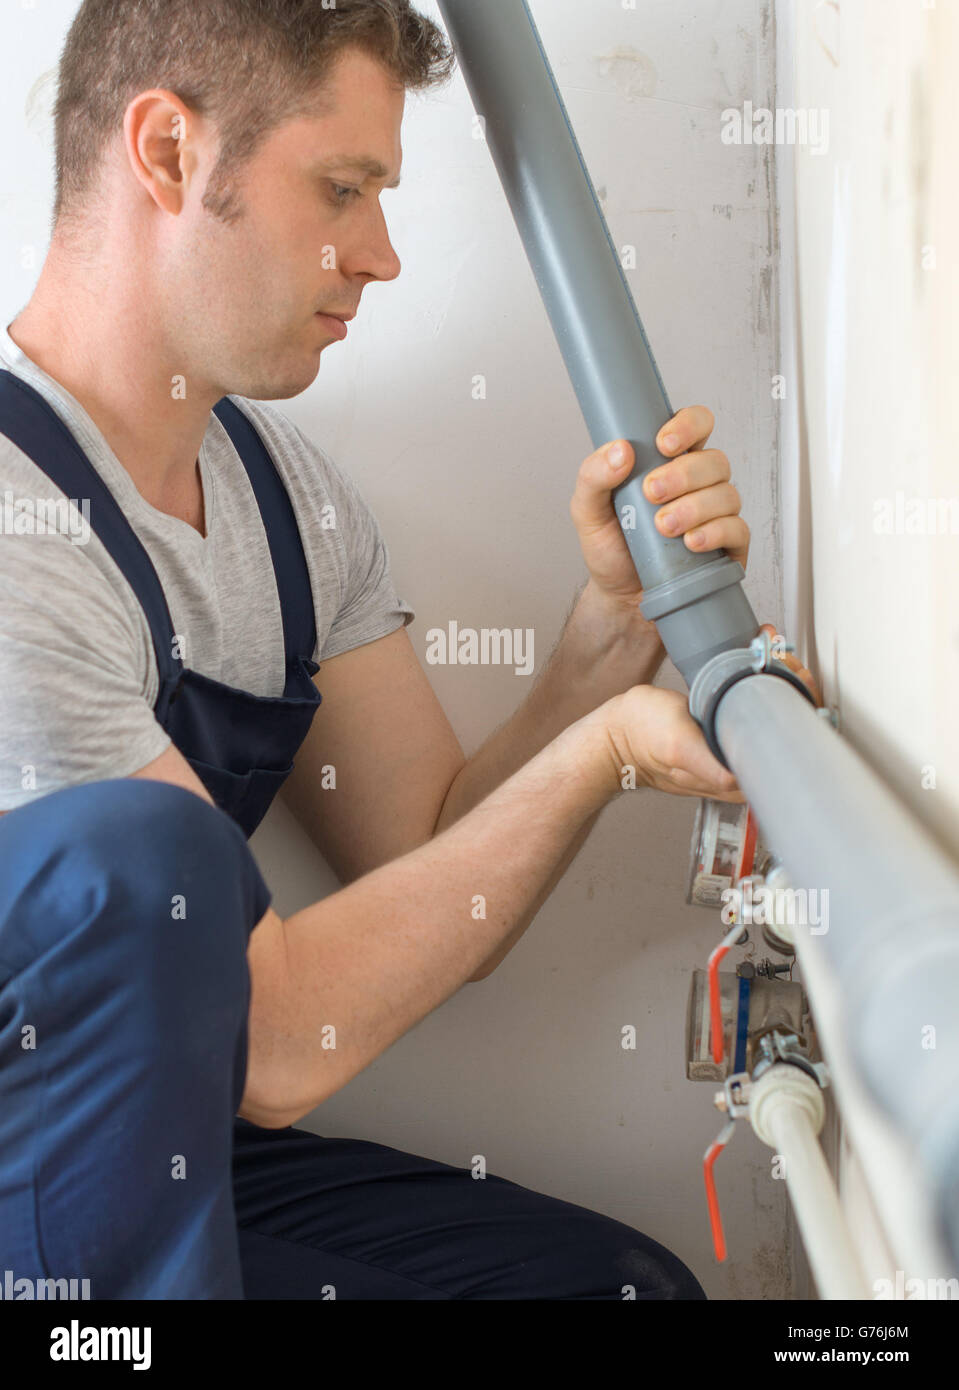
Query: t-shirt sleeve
point(369, 605)
point(354, 594)
point(72, 707)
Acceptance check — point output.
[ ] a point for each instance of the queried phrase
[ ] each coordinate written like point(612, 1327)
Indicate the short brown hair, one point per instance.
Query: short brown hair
point(248, 65)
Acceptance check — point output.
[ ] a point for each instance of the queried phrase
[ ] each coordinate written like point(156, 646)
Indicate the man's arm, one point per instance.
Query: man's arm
point(401, 776)
point(373, 959)
point(408, 779)
point(393, 753)
point(601, 652)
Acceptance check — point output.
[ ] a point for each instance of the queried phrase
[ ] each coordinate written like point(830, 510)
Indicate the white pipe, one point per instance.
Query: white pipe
point(875, 909)
point(887, 1162)
point(895, 1233)
point(787, 1110)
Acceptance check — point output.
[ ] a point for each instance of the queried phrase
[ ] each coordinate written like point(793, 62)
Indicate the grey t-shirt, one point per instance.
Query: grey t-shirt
point(78, 677)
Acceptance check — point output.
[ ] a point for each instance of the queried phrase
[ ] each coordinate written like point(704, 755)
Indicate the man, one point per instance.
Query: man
point(218, 217)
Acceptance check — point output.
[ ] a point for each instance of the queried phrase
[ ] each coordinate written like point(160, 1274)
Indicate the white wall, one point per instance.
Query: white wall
point(878, 287)
point(876, 313)
point(526, 1068)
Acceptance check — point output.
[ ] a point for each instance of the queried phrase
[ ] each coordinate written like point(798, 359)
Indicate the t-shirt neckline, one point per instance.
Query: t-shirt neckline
point(98, 451)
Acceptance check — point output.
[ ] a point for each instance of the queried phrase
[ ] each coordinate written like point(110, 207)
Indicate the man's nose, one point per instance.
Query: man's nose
point(374, 254)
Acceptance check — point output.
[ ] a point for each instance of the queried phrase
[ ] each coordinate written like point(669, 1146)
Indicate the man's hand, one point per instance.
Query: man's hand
point(693, 493)
point(652, 733)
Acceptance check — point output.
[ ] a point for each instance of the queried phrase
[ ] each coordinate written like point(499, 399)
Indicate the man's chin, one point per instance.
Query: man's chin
point(282, 388)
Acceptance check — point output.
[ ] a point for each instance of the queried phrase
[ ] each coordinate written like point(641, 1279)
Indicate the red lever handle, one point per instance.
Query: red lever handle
point(712, 1200)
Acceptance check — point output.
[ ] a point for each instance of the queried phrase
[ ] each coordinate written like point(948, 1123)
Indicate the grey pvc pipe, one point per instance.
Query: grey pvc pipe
point(697, 601)
point(892, 930)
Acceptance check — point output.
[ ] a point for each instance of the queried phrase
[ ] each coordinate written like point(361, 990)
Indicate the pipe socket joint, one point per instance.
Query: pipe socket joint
point(701, 613)
point(720, 673)
point(784, 1087)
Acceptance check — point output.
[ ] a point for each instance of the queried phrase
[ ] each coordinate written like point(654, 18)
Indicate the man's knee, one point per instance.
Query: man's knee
point(112, 818)
point(131, 850)
point(566, 1251)
point(647, 1270)
point(600, 1258)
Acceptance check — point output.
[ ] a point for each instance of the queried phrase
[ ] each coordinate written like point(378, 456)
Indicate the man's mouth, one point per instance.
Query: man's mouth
point(336, 323)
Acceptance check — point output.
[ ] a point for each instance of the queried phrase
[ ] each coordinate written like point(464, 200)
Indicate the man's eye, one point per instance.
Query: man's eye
point(343, 191)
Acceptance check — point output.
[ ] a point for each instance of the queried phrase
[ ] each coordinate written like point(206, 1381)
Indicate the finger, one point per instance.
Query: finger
point(688, 429)
point(729, 533)
point(687, 473)
point(692, 766)
point(805, 675)
point(591, 505)
point(696, 508)
point(683, 784)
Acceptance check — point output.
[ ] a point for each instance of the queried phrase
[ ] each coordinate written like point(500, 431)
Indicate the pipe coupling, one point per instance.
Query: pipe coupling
point(723, 671)
point(784, 1085)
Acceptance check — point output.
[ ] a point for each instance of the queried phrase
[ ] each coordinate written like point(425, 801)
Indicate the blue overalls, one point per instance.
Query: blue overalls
point(126, 908)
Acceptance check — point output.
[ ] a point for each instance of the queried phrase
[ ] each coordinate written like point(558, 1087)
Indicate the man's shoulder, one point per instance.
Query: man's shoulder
point(297, 455)
point(277, 429)
point(16, 467)
point(270, 416)
point(306, 466)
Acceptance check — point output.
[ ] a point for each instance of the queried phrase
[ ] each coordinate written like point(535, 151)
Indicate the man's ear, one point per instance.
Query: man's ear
point(160, 138)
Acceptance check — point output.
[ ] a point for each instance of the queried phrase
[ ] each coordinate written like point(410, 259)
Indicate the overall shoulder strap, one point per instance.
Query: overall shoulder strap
point(34, 426)
point(283, 533)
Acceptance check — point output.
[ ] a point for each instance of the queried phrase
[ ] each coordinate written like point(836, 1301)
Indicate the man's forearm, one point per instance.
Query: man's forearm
point(601, 653)
point(333, 986)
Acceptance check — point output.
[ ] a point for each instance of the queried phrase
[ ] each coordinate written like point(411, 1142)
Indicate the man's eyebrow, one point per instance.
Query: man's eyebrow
point(364, 163)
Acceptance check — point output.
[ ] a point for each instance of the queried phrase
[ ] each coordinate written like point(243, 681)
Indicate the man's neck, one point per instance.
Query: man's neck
point(111, 358)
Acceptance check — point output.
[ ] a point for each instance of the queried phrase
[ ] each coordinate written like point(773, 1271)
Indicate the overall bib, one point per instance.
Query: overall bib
point(241, 746)
point(123, 1021)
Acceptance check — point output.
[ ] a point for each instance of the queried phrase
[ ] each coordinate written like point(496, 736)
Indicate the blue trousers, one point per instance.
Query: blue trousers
point(125, 912)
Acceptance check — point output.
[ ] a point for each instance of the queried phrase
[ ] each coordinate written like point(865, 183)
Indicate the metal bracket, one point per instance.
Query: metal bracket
point(762, 648)
point(830, 715)
point(733, 1099)
point(786, 1047)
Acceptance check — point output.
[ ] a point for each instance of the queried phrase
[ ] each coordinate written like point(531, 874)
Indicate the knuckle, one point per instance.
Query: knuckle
point(676, 475)
point(671, 752)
